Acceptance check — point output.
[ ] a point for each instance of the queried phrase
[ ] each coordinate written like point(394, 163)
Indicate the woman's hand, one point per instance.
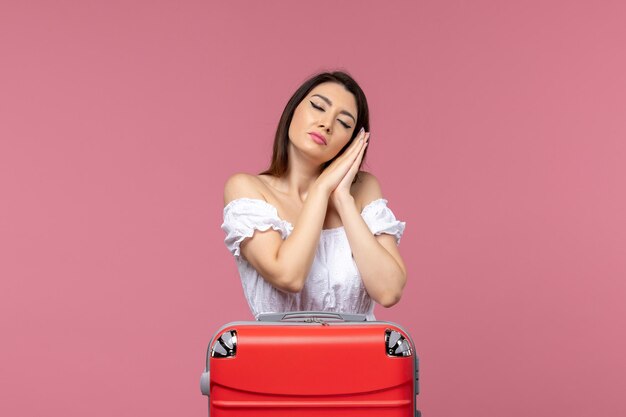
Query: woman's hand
point(345, 166)
point(342, 191)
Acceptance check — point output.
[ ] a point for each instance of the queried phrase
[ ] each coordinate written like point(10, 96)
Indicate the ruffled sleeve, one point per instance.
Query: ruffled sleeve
point(245, 215)
point(380, 219)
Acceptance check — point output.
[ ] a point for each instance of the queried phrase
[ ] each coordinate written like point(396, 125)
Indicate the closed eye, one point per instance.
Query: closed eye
point(315, 106)
point(339, 120)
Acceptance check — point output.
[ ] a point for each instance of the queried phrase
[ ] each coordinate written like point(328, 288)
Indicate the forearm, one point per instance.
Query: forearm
point(382, 276)
point(296, 254)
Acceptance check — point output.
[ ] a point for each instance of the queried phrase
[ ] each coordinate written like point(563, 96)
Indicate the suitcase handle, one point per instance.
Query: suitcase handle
point(308, 315)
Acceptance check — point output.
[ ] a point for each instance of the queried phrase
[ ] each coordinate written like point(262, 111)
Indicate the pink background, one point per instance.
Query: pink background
point(498, 134)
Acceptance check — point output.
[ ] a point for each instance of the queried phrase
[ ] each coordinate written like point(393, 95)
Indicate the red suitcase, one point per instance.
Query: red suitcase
point(311, 364)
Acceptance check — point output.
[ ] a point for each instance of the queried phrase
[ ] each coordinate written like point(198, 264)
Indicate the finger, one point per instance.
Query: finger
point(364, 142)
point(351, 156)
point(359, 138)
point(356, 144)
point(347, 168)
point(363, 137)
point(359, 157)
point(354, 168)
point(351, 152)
point(357, 161)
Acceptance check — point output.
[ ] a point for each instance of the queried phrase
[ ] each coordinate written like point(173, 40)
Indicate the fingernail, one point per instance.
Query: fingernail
point(361, 131)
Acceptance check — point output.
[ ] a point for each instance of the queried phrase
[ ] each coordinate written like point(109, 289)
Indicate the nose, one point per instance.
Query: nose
point(325, 124)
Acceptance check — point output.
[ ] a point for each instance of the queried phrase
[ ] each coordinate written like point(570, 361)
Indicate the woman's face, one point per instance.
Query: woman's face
point(323, 122)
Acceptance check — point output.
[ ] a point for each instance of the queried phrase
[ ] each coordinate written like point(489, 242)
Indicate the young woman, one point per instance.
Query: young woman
point(313, 231)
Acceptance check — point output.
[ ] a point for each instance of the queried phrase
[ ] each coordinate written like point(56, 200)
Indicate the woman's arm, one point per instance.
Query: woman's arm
point(377, 257)
point(286, 263)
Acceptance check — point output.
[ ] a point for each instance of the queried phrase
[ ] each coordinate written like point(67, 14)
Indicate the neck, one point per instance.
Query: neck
point(301, 174)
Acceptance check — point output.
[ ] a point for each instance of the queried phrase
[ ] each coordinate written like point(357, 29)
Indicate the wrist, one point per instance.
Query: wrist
point(342, 201)
point(320, 189)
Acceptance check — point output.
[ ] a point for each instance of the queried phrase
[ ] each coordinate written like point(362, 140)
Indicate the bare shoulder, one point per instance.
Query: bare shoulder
point(366, 189)
point(242, 185)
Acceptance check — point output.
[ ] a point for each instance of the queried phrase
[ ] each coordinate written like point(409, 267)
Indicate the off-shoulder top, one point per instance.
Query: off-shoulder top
point(333, 284)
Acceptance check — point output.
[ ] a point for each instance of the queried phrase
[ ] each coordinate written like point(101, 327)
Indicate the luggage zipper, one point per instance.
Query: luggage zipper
point(316, 320)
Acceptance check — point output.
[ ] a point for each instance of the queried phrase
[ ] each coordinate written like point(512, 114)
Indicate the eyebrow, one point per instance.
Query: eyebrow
point(330, 103)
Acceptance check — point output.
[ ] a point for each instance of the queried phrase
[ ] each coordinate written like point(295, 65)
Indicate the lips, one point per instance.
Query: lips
point(318, 138)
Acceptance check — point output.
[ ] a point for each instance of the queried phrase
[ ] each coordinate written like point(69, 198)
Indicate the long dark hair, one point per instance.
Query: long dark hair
point(280, 157)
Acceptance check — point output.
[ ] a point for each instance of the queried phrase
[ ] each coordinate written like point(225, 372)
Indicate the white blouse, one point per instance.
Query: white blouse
point(334, 283)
